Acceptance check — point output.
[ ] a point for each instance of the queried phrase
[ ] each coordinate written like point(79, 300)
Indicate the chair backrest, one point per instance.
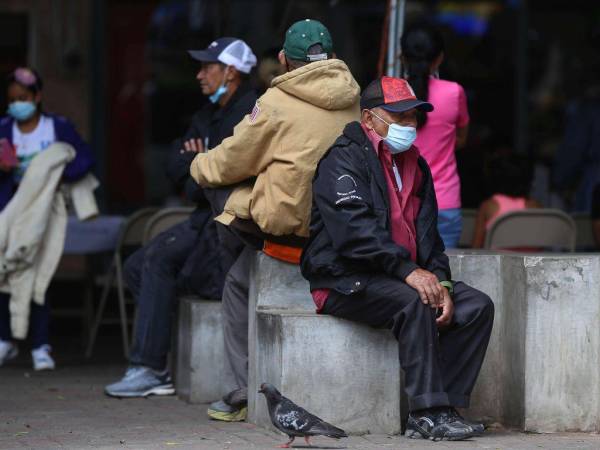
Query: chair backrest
point(132, 232)
point(532, 228)
point(585, 234)
point(165, 219)
point(468, 227)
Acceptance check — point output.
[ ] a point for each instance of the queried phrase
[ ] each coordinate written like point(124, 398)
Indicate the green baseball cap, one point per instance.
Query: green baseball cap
point(304, 34)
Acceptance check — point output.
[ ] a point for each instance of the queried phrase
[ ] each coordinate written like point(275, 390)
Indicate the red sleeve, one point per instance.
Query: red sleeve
point(463, 112)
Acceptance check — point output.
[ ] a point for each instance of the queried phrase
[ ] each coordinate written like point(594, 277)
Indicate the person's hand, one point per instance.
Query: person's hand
point(447, 306)
point(193, 145)
point(428, 286)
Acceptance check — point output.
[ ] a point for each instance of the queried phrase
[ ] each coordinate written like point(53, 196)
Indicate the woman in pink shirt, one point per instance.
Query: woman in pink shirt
point(441, 131)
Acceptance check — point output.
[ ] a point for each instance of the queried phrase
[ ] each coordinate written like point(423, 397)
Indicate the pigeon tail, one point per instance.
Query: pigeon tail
point(326, 429)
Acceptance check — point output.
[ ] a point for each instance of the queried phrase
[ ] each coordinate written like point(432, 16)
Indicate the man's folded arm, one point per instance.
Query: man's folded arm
point(239, 157)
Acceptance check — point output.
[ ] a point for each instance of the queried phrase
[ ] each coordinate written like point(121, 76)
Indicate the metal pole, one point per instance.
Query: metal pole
point(391, 53)
point(397, 12)
point(401, 12)
point(98, 94)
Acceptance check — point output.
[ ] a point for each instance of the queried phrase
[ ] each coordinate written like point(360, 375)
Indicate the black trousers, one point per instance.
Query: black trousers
point(182, 260)
point(440, 367)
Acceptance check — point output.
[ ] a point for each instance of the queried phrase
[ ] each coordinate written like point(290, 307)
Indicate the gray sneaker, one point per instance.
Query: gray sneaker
point(140, 381)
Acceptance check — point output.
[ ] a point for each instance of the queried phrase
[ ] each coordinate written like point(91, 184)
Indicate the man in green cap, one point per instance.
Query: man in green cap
point(268, 165)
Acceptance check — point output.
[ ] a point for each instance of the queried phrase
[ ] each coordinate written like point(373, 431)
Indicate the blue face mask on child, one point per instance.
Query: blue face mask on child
point(399, 138)
point(21, 111)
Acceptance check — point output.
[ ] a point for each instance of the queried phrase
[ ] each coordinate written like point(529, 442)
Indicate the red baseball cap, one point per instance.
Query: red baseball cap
point(392, 94)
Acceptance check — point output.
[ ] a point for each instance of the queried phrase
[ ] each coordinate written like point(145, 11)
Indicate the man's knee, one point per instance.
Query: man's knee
point(163, 259)
point(482, 304)
point(485, 305)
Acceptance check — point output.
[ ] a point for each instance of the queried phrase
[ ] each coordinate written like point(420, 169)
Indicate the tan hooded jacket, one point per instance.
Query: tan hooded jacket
point(274, 151)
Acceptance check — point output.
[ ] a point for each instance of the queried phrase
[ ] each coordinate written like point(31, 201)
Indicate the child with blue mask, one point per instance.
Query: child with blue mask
point(27, 131)
point(24, 95)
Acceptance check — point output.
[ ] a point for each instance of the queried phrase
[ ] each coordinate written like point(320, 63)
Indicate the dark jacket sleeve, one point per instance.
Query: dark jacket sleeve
point(342, 195)
point(178, 163)
point(84, 159)
point(438, 262)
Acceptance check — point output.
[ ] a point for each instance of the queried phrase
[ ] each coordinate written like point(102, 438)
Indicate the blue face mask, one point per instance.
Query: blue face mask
point(21, 111)
point(218, 94)
point(399, 138)
point(222, 90)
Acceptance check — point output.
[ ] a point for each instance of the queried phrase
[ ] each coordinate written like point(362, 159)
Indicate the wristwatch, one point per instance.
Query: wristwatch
point(448, 285)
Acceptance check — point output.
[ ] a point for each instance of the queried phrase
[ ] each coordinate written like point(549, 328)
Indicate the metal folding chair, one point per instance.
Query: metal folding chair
point(532, 228)
point(132, 235)
point(585, 234)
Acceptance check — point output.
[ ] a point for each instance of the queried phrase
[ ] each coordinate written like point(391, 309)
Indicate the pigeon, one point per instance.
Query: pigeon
point(295, 421)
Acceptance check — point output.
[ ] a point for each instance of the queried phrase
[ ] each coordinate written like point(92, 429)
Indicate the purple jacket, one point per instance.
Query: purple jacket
point(65, 132)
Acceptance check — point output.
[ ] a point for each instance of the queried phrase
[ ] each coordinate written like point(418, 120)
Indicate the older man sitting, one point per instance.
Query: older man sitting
point(375, 256)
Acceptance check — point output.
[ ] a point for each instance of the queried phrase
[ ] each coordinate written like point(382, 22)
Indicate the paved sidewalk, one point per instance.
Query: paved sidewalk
point(66, 409)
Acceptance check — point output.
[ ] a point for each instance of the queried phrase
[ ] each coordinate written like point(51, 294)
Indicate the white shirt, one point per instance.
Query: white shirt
point(28, 145)
point(397, 176)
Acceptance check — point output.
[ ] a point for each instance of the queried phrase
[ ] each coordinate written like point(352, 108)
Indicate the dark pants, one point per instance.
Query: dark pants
point(39, 320)
point(177, 262)
point(440, 367)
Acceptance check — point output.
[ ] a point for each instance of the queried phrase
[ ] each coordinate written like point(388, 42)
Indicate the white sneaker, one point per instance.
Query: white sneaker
point(42, 359)
point(8, 351)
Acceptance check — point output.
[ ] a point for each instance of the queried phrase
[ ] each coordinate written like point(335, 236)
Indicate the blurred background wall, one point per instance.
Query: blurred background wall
point(119, 70)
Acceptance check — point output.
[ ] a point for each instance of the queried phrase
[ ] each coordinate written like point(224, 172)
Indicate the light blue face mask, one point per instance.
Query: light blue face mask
point(222, 90)
point(218, 94)
point(399, 138)
point(21, 111)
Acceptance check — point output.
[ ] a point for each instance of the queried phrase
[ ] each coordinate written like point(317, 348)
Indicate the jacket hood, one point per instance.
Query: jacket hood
point(325, 84)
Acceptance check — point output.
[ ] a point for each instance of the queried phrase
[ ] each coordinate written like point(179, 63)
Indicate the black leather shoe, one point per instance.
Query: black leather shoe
point(436, 424)
point(478, 428)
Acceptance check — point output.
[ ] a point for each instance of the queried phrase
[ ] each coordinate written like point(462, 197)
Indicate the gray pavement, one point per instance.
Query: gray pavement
point(66, 409)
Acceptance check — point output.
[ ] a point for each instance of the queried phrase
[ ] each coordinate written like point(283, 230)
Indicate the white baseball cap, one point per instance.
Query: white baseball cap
point(227, 50)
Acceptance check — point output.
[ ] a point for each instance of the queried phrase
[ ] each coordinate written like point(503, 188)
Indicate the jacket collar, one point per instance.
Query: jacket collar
point(355, 133)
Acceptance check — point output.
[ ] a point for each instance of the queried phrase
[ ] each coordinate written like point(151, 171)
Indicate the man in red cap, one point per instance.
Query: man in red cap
point(375, 256)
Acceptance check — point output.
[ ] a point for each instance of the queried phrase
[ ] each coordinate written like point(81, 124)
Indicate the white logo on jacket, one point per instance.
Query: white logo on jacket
point(345, 188)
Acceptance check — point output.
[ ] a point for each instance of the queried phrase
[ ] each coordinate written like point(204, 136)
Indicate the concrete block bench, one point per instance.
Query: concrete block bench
point(199, 355)
point(542, 369)
point(346, 373)
point(561, 343)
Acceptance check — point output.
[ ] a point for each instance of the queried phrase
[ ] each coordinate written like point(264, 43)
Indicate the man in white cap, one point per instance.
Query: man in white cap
point(185, 259)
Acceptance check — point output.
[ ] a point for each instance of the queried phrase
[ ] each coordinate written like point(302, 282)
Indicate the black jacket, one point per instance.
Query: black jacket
point(212, 124)
point(350, 232)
